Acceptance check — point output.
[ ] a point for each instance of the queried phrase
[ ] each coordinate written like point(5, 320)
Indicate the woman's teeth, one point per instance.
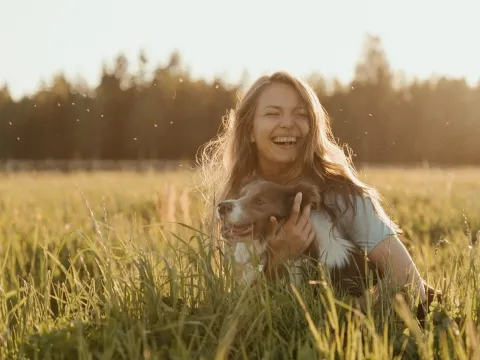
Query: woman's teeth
point(285, 140)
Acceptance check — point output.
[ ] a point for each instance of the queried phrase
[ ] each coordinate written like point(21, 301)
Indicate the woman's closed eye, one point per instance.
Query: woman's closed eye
point(301, 114)
point(272, 113)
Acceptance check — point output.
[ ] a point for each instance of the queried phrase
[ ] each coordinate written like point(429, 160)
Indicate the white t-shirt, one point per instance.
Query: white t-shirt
point(366, 229)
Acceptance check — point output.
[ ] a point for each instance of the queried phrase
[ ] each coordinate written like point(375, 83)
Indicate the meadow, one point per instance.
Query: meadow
point(117, 265)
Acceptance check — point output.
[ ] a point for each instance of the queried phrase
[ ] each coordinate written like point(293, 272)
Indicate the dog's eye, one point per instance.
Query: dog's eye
point(260, 202)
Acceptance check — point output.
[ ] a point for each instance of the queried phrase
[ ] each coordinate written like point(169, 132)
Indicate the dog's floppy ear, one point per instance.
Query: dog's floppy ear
point(310, 194)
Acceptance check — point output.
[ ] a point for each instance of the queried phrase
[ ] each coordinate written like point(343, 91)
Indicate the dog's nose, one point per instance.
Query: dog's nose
point(224, 207)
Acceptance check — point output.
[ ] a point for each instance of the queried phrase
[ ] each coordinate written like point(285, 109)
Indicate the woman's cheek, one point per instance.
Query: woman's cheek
point(304, 127)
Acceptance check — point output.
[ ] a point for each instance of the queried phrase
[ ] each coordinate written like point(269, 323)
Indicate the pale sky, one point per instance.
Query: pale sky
point(422, 37)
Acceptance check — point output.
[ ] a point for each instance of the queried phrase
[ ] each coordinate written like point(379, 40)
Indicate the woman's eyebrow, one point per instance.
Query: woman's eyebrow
point(278, 107)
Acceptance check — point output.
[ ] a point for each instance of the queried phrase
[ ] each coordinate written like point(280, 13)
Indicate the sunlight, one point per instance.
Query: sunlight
point(226, 38)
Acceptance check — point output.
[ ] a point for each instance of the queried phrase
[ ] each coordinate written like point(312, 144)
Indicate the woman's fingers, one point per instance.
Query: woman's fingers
point(296, 234)
point(306, 231)
point(308, 234)
point(273, 229)
point(294, 216)
point(304, 219)
point(312, 235)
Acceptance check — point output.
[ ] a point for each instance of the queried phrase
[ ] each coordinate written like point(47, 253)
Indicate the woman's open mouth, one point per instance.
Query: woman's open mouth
point(285, 142)
point(236, 230)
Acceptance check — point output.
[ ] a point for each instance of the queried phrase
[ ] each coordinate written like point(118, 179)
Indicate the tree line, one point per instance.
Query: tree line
point(380, 115)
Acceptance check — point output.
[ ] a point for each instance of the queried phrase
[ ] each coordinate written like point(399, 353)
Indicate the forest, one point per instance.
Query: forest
point(167, 115)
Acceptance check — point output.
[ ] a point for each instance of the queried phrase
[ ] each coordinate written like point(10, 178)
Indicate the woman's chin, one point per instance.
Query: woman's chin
point(285, 160)
point(276, 164)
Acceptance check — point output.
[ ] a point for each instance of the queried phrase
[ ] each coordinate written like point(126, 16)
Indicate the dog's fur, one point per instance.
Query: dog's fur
point(246, 221)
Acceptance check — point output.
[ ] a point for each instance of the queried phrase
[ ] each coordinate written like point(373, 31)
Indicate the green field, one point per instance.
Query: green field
point(94, 266)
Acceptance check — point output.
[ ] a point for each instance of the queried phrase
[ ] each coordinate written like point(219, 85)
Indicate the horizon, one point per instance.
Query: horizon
point(413, 35)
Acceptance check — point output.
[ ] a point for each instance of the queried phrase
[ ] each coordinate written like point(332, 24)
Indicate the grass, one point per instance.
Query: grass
point(99, 266)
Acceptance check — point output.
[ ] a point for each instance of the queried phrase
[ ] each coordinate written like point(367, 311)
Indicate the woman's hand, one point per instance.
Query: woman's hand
point(294, 236)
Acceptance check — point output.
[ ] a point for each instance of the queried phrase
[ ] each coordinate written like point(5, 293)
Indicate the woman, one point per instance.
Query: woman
point(280, 132)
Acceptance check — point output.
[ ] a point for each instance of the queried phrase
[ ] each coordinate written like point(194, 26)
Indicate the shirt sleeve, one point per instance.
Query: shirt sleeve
point(364, 227)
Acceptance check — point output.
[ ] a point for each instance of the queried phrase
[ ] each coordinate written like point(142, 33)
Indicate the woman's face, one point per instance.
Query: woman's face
point(280, 126)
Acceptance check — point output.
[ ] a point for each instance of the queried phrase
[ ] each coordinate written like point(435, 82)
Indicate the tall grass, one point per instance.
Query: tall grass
point(118, 266)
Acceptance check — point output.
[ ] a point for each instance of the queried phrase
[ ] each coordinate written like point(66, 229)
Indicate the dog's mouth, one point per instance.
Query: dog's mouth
point(236, 230)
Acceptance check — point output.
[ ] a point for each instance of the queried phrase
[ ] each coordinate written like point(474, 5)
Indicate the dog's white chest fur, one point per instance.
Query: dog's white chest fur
point(333, 250)
point(244, 252)
point(249, 255)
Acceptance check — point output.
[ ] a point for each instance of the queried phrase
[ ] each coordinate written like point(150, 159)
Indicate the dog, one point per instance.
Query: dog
point(245, 221)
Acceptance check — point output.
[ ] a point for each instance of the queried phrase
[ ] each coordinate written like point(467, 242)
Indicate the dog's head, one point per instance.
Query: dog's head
point(248, 217)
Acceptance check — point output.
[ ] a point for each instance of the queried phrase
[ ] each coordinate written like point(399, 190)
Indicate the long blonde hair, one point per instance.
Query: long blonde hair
point(229, 158)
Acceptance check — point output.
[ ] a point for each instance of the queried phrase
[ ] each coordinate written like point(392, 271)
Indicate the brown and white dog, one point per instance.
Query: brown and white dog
point(245, 221)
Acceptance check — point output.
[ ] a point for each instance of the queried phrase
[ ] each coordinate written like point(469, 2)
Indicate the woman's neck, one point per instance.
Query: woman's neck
point(279, 175)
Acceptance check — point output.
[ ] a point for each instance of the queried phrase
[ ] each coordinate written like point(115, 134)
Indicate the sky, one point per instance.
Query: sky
point(422, 37)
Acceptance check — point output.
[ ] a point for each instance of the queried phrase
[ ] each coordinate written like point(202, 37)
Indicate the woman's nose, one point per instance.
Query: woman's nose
point(287, 121)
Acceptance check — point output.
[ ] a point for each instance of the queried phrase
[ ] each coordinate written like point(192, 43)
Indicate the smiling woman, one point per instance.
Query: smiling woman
point(280, 126)
point(281, 133)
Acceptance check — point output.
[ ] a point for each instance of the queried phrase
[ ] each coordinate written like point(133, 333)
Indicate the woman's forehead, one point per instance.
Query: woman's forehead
point(280, 96)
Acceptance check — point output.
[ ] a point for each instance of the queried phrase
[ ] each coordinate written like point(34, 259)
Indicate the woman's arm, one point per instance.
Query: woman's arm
point(392, 254)
point(378, 236)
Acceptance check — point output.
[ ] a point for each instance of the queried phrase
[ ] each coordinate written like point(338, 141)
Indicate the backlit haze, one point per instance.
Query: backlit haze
point(421, 38)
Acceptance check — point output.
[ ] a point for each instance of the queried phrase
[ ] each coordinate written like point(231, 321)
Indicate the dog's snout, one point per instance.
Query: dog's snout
point(224, 207)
